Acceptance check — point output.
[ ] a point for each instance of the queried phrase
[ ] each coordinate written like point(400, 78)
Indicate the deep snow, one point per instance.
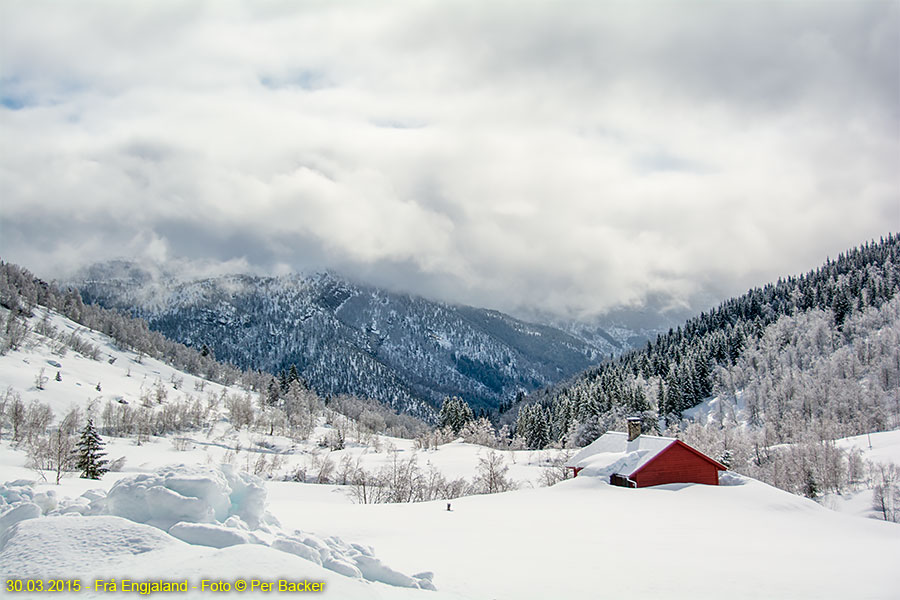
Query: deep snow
point(579, 539)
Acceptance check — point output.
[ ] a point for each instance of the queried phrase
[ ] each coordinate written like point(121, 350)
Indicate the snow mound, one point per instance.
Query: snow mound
point(189, 494)
point(732, 478)
point(352, 560)
point(98, 547)
point(61, 545)
point(18, 502)
point(200, 506)
point(18, 513)
point(214, 536)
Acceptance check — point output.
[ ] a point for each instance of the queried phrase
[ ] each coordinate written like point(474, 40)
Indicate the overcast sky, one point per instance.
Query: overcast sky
point(563, 156)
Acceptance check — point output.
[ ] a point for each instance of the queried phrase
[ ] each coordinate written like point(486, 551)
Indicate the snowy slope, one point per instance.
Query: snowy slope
point(585, 539)
point(580, 539)
point(881, 448)
point(120, 374)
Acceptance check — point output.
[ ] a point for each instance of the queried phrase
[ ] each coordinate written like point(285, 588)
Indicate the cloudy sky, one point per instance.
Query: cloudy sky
point(563, 156)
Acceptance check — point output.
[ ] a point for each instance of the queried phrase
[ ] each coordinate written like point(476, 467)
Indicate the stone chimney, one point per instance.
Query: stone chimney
point(634, 428)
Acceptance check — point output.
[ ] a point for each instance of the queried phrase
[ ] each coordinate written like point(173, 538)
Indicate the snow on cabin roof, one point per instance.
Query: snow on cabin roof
point(613, 453)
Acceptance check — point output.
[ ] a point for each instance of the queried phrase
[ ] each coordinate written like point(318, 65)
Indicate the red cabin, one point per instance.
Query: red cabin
point(644, 460)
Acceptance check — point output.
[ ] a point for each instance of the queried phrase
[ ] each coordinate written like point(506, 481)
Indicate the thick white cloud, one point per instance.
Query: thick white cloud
point(566, 157)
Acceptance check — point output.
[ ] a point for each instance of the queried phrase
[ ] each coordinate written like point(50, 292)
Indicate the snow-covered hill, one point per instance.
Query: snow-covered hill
point(155, 521)
point(351, 338)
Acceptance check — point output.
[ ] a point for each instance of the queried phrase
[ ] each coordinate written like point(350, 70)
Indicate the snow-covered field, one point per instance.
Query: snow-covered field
point(580, 539)
point(882, 447)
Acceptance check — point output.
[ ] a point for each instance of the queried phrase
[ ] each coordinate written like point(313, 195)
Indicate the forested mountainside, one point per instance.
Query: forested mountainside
point(30, 313)
point(348, 338)
point(819, 351)
point(21, 292)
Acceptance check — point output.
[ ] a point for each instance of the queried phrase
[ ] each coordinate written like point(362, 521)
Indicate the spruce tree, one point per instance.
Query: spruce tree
point(455, 413)
point(88, 453)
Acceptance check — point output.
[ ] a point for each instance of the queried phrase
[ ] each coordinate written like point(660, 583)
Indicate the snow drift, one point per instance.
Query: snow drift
point(200, 506)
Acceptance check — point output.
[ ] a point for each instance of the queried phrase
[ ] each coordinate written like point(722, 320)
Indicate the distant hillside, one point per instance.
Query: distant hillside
point(843, 306)
point(349, 338)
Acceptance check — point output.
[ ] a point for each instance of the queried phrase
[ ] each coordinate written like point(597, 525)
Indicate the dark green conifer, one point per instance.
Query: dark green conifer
point(89, 455)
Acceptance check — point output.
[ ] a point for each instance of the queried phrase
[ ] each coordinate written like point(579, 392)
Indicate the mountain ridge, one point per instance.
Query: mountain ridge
point(348, 337)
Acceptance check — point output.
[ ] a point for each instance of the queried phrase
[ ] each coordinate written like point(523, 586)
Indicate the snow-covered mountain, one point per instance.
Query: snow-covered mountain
point(351, 338)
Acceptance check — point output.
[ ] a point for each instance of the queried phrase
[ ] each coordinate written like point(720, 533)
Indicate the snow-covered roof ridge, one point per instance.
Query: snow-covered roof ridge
point(613, 448)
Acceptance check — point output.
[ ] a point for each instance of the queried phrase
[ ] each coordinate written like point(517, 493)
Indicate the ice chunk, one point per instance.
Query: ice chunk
point(191, 495)
point(298, 548)
point(18, 513)
point(342, 567)
point(374, 570)
point(215, 536)
point(46, 500)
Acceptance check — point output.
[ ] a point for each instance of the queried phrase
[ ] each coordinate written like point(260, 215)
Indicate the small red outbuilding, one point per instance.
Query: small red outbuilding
point(644, 460)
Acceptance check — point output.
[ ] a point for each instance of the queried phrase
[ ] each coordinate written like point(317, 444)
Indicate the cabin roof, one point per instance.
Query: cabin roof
point(613, 453)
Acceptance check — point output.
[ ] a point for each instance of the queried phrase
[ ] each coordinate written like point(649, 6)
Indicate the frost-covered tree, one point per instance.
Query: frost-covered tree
point(40, 380)
point(491, 474)
point(89, 453)
point(62, 445)
point(886, 496)
point(480, 431)
point(771, 336)
point(15, 414)
point(240, 410)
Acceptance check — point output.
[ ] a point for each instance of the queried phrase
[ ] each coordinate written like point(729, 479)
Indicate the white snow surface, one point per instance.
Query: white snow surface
point(612, 453)
point(91, 548)
point(191, 517)
point(878, 447)
point(201, 506)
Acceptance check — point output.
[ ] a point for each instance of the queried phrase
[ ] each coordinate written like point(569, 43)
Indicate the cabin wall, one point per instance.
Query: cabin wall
point(677, 464)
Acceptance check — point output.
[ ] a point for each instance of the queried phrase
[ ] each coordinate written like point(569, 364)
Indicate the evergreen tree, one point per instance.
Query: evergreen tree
point(273, 392)
point(455, 413)
point(810, 487)
point(293, 375)
point(841, 307)
point(88, 453)
point(533, 426)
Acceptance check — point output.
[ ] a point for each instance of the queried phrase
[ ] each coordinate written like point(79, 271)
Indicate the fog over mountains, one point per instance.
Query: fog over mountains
point(346, 337)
